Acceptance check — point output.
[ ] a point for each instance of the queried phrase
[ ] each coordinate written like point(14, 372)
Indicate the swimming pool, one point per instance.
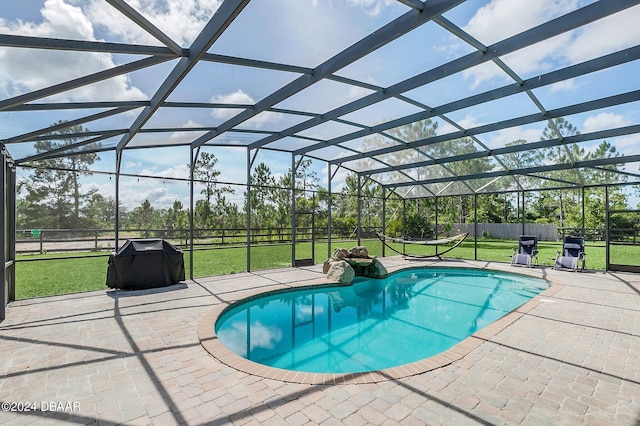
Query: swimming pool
point(373, 324)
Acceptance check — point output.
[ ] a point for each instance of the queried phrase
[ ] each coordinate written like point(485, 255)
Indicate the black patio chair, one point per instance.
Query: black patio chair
point(572, 255)
point(527, 253)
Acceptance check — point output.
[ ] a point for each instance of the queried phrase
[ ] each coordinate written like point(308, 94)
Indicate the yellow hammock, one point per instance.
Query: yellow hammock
point(458, 238)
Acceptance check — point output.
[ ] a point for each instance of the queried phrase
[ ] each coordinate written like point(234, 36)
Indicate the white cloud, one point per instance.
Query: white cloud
point(537, 58)
point(468, 122)
point(338, 179)
point(628, 145)
point(234, 336)
point(21, 70)
point(133, 195)
point(185, 137)
point(563, 86)
point(607, 35)
point(604, 120)
point(540, 57)
point(356, 92)
point(518, 133)
point(181, 20)
point(133, 192)
point(306, 312)
point(149, 161)
point(483, 72)
point(501, 19)
point(503, 137)
point(374, 7)
point(237, 97)
point(497, 139)
point(177, 171)
point(106, 189)
point(161, 194)
point(259, 121)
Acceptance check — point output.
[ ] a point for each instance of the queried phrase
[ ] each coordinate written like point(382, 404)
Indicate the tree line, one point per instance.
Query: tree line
point(51, 196)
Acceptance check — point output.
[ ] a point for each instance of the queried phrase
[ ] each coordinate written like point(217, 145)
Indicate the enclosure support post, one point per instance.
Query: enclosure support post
point(583, 223)
point(293, 209)
point(524, 216)
point(384, 215)
point(117, 212)
point(313, 228)
point(194, 157)
point(329, 206)
point(359, 212)
point(248, 202)
point(404, 222)
point(4, 291)
point(8, 243)
point(10, 267)
point(475, 226)
point(606, 228)
point(435, 231)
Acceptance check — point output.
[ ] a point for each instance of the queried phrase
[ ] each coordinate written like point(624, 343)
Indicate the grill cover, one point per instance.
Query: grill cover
point(147, 263)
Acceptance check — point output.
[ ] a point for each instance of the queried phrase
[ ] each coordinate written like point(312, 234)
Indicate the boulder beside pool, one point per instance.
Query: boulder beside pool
point(340, 271)
point(344, 265)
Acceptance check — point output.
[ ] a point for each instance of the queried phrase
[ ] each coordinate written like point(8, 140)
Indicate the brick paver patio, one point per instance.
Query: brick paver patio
point(117, 357)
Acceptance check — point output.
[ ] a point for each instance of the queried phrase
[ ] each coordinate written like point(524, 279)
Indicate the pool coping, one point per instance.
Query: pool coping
point(211, 343)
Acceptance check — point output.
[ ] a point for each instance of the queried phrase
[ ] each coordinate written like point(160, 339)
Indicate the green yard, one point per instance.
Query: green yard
point(60, 275)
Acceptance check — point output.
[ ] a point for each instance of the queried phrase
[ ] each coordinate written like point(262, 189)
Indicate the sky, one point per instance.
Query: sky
point(322, 28)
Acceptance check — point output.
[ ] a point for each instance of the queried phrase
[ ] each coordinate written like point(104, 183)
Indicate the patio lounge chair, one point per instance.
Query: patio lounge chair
point(572, 254)
point(527, 253)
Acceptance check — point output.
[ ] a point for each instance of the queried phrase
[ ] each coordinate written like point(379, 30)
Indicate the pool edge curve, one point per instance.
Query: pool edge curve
point(211, 343)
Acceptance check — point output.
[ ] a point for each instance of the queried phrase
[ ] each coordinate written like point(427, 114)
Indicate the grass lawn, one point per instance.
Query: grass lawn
point(58, 275)
point(37, 277)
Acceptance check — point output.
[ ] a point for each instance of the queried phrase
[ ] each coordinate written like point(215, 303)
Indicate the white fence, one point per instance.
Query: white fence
point(507, 231)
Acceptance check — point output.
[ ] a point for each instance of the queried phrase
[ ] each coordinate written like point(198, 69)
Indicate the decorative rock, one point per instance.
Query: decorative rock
point(340, 253)
point(359, 251)
point(326, 265)
point(344, 265)
point(341, 271)
point(360, 261)
point(377, 269)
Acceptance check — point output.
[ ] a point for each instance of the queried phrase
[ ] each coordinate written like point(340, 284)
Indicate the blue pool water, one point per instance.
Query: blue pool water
point(373, 324)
